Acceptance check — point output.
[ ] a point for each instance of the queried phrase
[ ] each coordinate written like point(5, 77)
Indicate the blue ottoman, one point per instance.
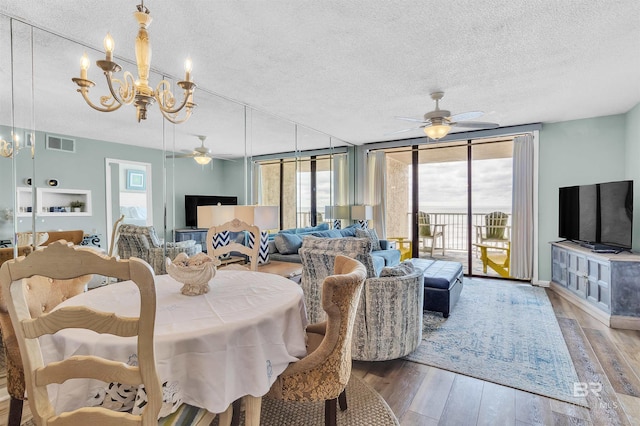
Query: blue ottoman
point(442, 284)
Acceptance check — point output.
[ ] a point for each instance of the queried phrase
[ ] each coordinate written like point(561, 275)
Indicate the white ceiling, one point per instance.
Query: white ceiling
point(343, 68)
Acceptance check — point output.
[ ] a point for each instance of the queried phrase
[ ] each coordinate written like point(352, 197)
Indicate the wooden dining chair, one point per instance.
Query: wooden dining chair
point(323, 374)
point(114, 236)
point(217, 245)
point(61, 260)
point(44, 294)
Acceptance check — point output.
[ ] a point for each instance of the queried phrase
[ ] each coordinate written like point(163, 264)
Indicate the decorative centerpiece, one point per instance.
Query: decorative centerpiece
point(194, 272)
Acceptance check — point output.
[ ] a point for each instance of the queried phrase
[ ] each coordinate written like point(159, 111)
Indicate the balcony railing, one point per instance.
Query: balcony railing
point(455, 235)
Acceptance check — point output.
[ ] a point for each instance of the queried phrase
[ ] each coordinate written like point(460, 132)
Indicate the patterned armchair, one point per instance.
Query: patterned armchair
point(389, 317)
point(143, 242)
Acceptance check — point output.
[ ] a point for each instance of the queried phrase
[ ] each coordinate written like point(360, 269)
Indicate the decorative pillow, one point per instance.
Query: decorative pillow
point(401, 270)
point(329, 233)
point(348, 232)
point(288, 243)
point(372, 235)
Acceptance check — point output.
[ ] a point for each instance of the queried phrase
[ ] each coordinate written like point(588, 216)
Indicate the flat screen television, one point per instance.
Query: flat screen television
point(599, 216)
point(191, 203)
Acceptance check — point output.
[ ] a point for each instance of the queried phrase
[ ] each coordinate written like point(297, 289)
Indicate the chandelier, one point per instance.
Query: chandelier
point(11, 147)
point(138, 92)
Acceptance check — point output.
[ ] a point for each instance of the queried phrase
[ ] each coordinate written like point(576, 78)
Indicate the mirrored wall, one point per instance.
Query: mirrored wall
point(67, 166)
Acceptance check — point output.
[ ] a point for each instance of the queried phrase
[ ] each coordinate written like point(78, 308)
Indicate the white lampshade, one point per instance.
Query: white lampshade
point(361, 212)
point(264, 217)
point(336, 212)
point(209, 216)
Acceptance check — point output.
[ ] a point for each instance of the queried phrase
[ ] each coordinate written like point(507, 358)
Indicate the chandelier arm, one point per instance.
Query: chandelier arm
point(106, 106)
point(173, 117)
point(166, 100)
point(126, 92)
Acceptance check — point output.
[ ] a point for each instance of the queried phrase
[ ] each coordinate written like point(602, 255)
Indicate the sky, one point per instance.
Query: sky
point(443, 186)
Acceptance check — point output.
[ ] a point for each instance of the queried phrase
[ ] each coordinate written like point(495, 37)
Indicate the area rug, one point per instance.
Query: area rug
point(365, 408)
point(503, 333)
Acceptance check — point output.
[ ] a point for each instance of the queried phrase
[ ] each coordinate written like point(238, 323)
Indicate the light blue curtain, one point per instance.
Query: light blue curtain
point(522, 202)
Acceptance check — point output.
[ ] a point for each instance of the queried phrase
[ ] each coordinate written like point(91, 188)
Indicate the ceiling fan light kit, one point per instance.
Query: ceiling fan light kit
point(200, 154)
point(203, 161)
point(438, 123)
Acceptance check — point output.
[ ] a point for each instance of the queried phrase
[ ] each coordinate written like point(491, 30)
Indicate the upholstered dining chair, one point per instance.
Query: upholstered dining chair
point(61, 260)
point(323, 374)
point(74, 236)
point(43, 295)
point(219, 243)
point(6, 253)
point(430, 232)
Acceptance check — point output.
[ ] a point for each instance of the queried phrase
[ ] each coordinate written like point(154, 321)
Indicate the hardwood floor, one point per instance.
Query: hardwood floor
point(426, 396)
point(607, 360)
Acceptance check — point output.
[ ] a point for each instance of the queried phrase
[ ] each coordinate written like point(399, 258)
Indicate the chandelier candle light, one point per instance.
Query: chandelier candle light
point(138, 92)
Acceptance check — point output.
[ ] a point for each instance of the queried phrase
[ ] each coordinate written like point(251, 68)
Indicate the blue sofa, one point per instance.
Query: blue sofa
point(284, 245)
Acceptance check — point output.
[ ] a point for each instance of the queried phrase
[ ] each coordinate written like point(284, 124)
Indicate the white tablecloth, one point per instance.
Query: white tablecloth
point(210, 349)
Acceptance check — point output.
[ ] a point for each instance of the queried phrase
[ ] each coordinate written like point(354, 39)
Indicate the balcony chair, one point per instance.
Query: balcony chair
point(219, 243)
point(389, 320)
point(62, 260)
point(323, 374)
point(495, 230)
point(428, 231)
point(143, 242)
point(497, 258)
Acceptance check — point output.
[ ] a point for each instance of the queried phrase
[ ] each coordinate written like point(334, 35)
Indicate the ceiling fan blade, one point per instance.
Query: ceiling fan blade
point(180, 155)
point(417, 120)
point(476, 125)
point(221, 158)
point(470, 115)
point(403, 130)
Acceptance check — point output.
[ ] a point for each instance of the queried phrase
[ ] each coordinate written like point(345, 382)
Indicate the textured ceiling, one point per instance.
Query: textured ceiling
point(343, 68)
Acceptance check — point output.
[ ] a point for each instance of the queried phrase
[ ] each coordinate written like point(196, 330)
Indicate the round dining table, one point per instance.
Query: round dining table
point(211, 349)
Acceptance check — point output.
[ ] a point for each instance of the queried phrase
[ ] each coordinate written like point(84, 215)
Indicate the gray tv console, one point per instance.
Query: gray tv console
point(605, 285)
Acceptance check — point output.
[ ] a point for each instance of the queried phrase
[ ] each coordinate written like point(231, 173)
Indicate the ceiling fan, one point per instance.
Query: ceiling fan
point(201, 154)
point(438, 123)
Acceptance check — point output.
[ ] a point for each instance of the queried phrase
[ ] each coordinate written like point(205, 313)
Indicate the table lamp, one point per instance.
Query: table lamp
point(337, 213)
point(265, 218)
point(216, 215)
point(362, 214)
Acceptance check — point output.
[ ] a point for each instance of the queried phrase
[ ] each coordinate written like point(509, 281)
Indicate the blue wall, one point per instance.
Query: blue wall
point(580, 152)
point(85, 169)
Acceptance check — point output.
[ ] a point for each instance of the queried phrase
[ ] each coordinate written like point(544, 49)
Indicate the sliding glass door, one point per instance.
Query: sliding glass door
point(452, 201)
point(491, 192)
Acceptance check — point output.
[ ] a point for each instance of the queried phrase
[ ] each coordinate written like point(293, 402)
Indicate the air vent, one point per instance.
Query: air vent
point(60, 143)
